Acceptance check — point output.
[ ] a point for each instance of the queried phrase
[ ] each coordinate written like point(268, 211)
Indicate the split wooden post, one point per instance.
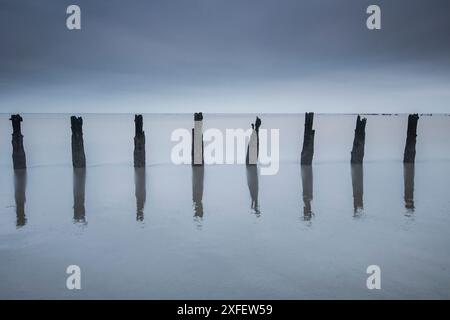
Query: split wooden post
point(359, 141)
point(253, 144)
point(308, 140)
point(78, 156)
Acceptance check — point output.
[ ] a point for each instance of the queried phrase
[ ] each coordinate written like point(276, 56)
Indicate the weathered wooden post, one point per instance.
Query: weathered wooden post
point(79, 188)
point(408, 176)
point(78, 156)
point(139, 142)
point(19, 158)
point(253, 187)
point(307, 186)
point(197, 140)
point(253, 145)
point(358, 188)
point(410, 147)
point(308, 140)
point(358, 141)
point(257, 125)
point(198, 174)
point(140, 192)
point(20, 185)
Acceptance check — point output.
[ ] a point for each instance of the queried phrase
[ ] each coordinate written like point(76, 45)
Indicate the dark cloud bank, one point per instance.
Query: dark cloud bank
point(225, 56)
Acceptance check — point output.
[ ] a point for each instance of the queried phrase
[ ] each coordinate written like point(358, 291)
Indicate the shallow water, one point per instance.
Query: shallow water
point(225, 231)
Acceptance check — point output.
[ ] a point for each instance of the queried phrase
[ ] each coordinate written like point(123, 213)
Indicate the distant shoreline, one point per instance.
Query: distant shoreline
point(226, 114)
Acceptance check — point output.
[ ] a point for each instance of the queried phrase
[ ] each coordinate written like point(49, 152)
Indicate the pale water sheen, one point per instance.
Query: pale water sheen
point(178, 232)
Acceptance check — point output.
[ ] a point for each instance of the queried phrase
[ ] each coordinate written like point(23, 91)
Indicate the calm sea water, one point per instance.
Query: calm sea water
point(225, 231)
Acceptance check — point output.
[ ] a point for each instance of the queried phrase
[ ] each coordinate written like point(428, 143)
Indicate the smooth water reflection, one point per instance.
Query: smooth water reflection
point(358, 189)
point(170, 257)
point(198, 176)
point(230, 256)
point(408, 176)
point(253, 187)
point(20, 185)
point(140, 182)
point(79, 190)
point(307, 187)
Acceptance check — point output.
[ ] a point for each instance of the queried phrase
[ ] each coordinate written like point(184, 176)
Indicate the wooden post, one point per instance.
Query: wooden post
point(139, 142)
point(20, 185)
point(19, 158)
point(79, 187)
point(308, 140)
point(408, 176)
point(359, 140)
point(197, 140)
point(257, 125)
point(358, 188)
point(410, 147)
point(307, 186)
point(253, 145)
point(140, 192)
point(78, 156)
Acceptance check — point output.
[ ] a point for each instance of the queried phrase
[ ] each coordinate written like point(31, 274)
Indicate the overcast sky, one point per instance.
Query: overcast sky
point(224, 56)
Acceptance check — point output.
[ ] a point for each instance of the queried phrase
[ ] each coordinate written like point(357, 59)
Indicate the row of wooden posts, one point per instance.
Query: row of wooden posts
point(79, 163)
point(79, 157)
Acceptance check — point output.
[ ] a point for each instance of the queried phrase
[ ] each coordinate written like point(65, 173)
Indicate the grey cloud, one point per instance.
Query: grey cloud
point(145, 52)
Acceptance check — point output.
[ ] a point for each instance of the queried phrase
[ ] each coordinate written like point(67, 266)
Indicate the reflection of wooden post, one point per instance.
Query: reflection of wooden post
point(359, 140)
point(307, 186)
point(408, 176)
point(19, 158)
point(308, 140)
point(20, 185)
point(79, 187)
point(197, 140)
point(410, 147)
point(253, 144)
point(253, 187)
point(358, 188)
point(139, 143)
point(198, 174)
point(140, 192)
point(78, 156)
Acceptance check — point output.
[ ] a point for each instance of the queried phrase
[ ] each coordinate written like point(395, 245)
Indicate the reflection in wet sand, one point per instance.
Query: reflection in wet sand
point(408, 176)
point(358, 189)
point(253, 187)
point(20, 186)
point(307, 186)
point(198, 174)
point(79, 186)
point(140, 192)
